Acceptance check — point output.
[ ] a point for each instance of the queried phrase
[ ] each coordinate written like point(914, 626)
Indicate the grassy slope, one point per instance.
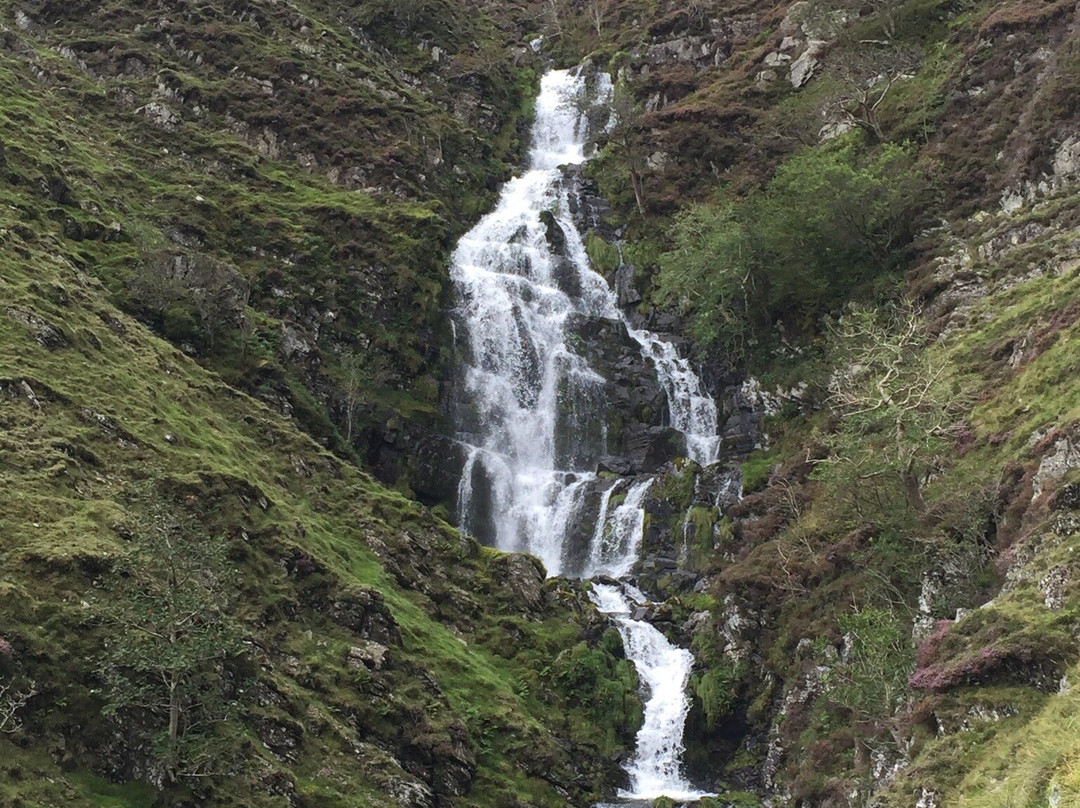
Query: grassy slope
point(74, 459)
point(313, 148)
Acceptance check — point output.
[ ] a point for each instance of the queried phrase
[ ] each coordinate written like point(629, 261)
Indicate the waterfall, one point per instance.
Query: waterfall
point(617, 537)
point(530, 409)
point(693, 411)
point(665, 671)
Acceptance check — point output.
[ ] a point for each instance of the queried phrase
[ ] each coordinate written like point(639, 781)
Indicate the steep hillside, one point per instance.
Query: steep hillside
point(376, 657)
point(871, 210)
point(226, 231)
point(271, 186)
point(199, 603)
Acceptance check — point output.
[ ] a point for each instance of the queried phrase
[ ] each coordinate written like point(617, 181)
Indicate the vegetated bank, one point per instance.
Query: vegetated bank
point(871, 211)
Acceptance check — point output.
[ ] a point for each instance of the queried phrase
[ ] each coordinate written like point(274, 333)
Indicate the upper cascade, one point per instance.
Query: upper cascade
point(530, 408)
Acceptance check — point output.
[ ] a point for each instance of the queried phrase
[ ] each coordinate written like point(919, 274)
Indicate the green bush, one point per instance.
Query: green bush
point(831, 225)
point(708, 275)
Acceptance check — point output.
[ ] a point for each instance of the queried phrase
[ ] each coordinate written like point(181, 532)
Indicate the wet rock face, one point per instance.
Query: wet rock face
point(437, 465)
point(743, 410)
point(590, 210)
point(635, 406)
point(626, 292)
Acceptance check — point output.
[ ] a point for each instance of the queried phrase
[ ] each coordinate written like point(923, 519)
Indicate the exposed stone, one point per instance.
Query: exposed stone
point(633, 404)
point(1067, 158)
point(160, 115)
point(294, 344)
point(694, 50)
point(614, 464)
point(834, 129)
point(927, 799)
point(1066, 498)
point(410, 793)
point(523, 575)
point(802, 692)
point(363, 612)
point(649, 447)
point(589, 210)
point(438, 463)
point(740, 430)
point(1054, 796)
point(44, 333)
point(718, 487)
point(1053, 466)
point(698, 621)
point(282, 736)
point(1052, 585)
point(657, 160)
point(369, 654)
point(803, 68)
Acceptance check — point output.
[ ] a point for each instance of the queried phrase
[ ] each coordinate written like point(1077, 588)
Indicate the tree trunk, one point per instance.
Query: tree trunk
point(635, 181)
point(913, 488)
point(174, 722)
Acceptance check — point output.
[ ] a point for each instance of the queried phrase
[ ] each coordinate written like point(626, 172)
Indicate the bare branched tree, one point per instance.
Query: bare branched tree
point(12, 701)
point(597, 11)
point(896, 410)
point(867, 71)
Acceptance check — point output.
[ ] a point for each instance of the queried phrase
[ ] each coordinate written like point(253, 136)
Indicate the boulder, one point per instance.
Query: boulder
point(803, 68)
point(625, 292)
point(523, 575)
point(1064, 457)
point(364, 612)
point(369, 654)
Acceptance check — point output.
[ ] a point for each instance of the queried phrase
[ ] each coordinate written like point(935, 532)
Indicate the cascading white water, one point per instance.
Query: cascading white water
point(617, 537)
point(531, 409)
point(665, 670)
point(693, 411)
point(515, 296)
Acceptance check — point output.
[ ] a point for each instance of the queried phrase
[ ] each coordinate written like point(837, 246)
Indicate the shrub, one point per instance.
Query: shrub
point(871, 679)
point(832, 224)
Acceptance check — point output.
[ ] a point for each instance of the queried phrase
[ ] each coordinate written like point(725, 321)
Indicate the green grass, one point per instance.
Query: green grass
point(1024, 764)
point(374, 246)
point(103, 794)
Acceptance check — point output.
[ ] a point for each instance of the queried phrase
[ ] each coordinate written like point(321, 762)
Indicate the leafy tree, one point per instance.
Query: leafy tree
point(831, 224)
point(624, 138)
point(870, 680)
point(708, 274)
point(834, 218)
point(871, 677)
point(172, 636)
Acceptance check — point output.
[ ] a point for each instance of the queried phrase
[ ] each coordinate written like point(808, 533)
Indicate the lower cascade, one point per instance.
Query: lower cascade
point(532, 412)
point(665, 670)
